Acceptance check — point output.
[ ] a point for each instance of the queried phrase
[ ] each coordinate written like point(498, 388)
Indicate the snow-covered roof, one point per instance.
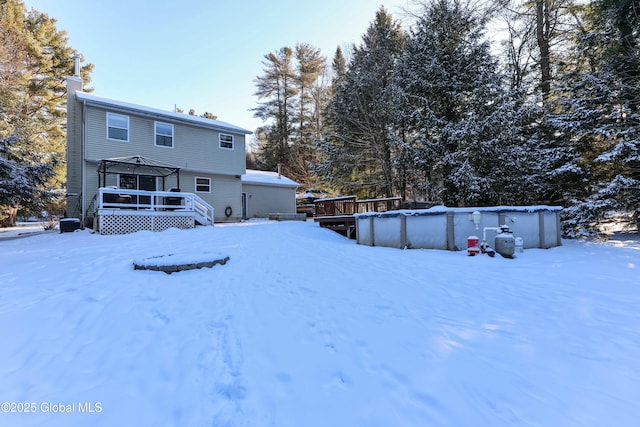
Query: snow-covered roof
point(268, 178)
point(149, 111)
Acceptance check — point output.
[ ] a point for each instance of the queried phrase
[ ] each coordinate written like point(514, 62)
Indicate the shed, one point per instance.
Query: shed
point(265, 193)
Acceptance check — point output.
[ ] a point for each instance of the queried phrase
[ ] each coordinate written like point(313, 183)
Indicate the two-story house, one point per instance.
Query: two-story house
point(123, 160)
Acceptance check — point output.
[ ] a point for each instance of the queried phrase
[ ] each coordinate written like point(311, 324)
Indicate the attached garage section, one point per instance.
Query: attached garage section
point(265, 193)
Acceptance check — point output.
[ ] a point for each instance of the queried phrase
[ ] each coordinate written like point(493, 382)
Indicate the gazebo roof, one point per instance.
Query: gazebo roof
point(137, 165)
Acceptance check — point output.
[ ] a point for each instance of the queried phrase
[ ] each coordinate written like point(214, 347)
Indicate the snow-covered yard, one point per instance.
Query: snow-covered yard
point(305, 328)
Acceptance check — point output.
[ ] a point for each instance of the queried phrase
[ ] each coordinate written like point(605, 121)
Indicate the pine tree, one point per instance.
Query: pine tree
point(599, 110)
point(34, 62)
point(339, 67)
point(24, 175)
point(359, 150)
point(277, 86)
point(450, 106)
point(310, 66)
point(295, 95)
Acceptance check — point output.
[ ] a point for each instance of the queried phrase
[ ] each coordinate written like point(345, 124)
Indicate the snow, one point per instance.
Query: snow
point(303, 327)
point(437, 210)
point(178, 259)
point(268, 178)
point(22, 229)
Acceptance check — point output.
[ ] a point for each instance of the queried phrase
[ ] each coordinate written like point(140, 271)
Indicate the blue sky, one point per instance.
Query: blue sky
point(201, 54)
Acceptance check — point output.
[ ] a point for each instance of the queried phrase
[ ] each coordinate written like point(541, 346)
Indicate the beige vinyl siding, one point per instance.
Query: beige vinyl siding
point(193, 147)
point(225, 191)
point(91, 187)
point(263, 200)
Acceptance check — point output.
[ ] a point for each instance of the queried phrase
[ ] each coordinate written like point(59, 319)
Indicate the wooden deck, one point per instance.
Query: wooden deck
point(122, 211)
point(337, 213)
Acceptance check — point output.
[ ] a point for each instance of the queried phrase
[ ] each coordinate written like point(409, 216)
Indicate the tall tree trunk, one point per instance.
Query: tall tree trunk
point(8, 216)
point(543, 29)
point(387, 169)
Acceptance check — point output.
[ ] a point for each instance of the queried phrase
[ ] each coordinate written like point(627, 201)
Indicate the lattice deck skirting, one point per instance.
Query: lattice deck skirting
point(111, 221)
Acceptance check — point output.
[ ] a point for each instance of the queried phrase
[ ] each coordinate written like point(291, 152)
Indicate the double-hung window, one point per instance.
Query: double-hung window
point(203, 185)
point(164, 134)
point(226, 141)
point(117, 127)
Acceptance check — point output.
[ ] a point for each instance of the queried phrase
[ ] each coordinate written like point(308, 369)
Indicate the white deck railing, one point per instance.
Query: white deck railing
point(156, 201)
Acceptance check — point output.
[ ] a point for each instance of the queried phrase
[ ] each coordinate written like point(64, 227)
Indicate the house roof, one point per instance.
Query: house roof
point(113, 104)
point(268, 178)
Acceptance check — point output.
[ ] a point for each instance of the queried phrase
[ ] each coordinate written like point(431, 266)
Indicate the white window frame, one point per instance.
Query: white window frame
point(195, 184)
point(121, 116)
point(232, 142)
point(155, 134)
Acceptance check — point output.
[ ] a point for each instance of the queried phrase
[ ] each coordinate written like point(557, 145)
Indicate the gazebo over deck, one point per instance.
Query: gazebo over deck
point(136, 204)
point(136, 165)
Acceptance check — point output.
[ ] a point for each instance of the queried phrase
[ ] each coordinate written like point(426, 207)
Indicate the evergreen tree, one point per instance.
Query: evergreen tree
point(310, 67)
point(451, 106)
point(295, 94)
point(599, 110)
point(24, 175)
point(359, 150)
point(339, 67)
point(277, 86)
point(34, 62)
point(541, 37)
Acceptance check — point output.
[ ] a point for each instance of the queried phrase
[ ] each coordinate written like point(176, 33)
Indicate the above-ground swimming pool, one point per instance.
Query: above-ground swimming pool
point(446, 228)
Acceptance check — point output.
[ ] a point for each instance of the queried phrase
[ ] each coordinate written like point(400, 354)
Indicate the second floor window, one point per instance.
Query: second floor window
point(226, 141)
point(117, 127)
point(164, 134)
